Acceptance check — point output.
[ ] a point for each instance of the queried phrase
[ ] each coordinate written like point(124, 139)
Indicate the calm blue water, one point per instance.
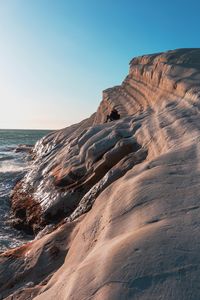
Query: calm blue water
point(13, 166)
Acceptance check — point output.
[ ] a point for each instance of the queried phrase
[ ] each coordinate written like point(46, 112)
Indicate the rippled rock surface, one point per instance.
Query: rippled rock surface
point(121, 199)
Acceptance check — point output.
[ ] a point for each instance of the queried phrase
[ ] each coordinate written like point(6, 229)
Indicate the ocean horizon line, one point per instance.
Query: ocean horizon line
point(27, 129)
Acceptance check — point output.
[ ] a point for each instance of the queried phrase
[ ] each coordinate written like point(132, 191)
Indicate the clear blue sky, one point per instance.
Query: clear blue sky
point(56, 56)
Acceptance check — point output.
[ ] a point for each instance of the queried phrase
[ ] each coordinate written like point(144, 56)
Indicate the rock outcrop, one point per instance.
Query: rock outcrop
point(117, 202)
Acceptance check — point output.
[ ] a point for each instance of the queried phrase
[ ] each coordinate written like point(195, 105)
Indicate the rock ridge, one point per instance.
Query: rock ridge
point(120, 200)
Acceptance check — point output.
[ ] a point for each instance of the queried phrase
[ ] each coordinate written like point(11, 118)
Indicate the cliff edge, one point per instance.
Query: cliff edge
point(115, 205)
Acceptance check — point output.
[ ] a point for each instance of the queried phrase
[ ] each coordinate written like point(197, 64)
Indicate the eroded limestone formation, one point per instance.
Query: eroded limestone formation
point(117, 202)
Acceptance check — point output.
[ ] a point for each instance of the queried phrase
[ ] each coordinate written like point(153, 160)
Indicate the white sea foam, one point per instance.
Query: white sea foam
point(14, 162)
point(12, 167)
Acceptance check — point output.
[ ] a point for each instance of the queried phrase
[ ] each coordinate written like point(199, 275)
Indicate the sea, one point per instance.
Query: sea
point(15, 160)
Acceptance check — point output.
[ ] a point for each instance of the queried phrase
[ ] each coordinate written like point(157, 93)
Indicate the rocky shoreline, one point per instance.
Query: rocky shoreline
point(112, 150)
point(115, 206)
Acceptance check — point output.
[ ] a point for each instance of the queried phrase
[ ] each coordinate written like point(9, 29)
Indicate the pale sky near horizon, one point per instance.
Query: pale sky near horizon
point(56, 56)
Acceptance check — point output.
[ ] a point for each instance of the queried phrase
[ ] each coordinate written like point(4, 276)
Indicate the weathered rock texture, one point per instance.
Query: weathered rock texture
point(126, 194)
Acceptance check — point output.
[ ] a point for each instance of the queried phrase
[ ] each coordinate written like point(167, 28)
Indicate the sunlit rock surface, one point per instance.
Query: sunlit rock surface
point(121, 198)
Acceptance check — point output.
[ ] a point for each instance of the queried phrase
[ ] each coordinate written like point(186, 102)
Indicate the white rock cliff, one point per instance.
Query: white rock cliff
point(119, 201)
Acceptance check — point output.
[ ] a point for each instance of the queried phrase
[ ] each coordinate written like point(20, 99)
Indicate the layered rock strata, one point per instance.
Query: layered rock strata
point(123, 196)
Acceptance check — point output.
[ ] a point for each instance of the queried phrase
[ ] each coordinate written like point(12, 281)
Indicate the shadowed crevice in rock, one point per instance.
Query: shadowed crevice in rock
point(111, 176)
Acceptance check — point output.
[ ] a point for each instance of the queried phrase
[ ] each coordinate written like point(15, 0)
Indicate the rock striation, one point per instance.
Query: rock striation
point(116, 204)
